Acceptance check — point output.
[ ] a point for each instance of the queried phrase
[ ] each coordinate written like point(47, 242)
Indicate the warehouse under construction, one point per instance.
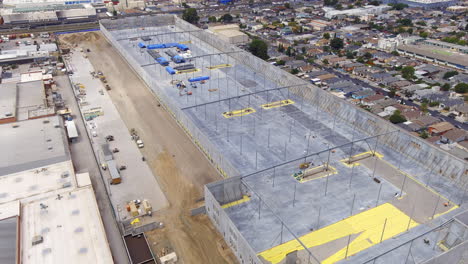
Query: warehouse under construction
point(309, 177)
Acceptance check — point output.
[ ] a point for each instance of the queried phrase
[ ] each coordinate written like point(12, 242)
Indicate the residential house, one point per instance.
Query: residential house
point(400, 84)
point(461, 111)
point(306, 68)
point(440, 128)
point(371, 100)
point(350, 67)
point(454, 135)
point(386, 102)
point(362, 94)
point(426, 120)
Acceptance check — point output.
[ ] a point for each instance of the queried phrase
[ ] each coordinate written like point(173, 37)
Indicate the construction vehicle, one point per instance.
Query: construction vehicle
point(136, 138)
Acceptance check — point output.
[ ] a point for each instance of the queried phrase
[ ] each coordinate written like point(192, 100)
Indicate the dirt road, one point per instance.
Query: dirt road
point(179, 167)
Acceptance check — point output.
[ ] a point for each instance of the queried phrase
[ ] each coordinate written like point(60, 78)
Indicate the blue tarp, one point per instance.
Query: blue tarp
point(162, 61)
point(178, 59)
point(156, 46)
point(170, 70)
point(182, 47)
point(200, 78)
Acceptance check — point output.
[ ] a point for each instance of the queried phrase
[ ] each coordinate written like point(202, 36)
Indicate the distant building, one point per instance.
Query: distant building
point(230, 33)
point(427, 4)
point(361, 11)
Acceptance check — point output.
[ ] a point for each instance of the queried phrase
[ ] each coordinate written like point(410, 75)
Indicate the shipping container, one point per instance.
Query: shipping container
point(178, 59)
point(141, 45)
point(156, 46)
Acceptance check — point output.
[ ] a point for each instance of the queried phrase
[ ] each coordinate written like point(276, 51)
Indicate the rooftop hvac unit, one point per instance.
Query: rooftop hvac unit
point(37, 240)
point(50, 147)
point(65, 174)
point(45, 121)
point(15, 125)
point(8, 114)
point(66, 185)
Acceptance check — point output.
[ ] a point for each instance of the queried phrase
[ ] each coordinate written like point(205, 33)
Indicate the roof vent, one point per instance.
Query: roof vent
point(45, 121)
point(49, 140)
point(37, 240)
point(65, 174)
point(83, 250)
point(76, 212)
point(66, 185)
point(50, 147)
point(15, 125)
point(46, 251)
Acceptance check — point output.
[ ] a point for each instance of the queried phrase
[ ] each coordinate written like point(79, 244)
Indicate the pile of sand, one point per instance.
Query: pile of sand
point(76, 38)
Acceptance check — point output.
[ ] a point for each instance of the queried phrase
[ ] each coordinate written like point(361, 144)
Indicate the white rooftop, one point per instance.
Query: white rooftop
point(33, 144)
point(32, 182)
point(71, 228)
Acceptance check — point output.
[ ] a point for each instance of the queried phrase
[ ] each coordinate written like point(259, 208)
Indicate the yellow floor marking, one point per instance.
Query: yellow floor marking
point(219, 66)
point(242, 112)
point(187, 71)
point(277, 104)
point(331, 170)
point(369, 224)
point(345, 161)
point(186, 42)
point(244, 199)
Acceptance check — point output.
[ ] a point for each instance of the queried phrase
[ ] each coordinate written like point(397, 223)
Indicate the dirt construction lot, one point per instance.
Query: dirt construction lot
point(179, 167)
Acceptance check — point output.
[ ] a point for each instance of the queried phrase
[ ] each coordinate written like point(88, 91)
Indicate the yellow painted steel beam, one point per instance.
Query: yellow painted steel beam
point(244, 199)
point(277, 104)
point(219, 66)
point(187, 71)
point(242, 112)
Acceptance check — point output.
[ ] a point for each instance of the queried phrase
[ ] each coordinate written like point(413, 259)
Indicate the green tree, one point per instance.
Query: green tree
point(445, 87)
point(280, 62)
point(190, 15)
point(259, 48)
point(408, 72)
point(349, 55)
point(424, 107)
point(280, 48)
point(184, 5)
point(336, 43)
point(303, 50)
point(449, 74)
point(423, 34)
point(226, 18)
point(287, 5)
point(405, 22)
point(294, 71)
point(397, 117)
point(212, 19)
point(461, 88)
point(424, 134)
point(367, 56)
point(375, 3)
point(395, 53)
point(325, 61)
point(326, 35)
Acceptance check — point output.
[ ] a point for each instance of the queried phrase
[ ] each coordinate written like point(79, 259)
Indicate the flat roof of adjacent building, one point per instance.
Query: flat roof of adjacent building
point(70, 226)
point(28, 183)
point(8, 95)
point(32, 144)
point(437, 53)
